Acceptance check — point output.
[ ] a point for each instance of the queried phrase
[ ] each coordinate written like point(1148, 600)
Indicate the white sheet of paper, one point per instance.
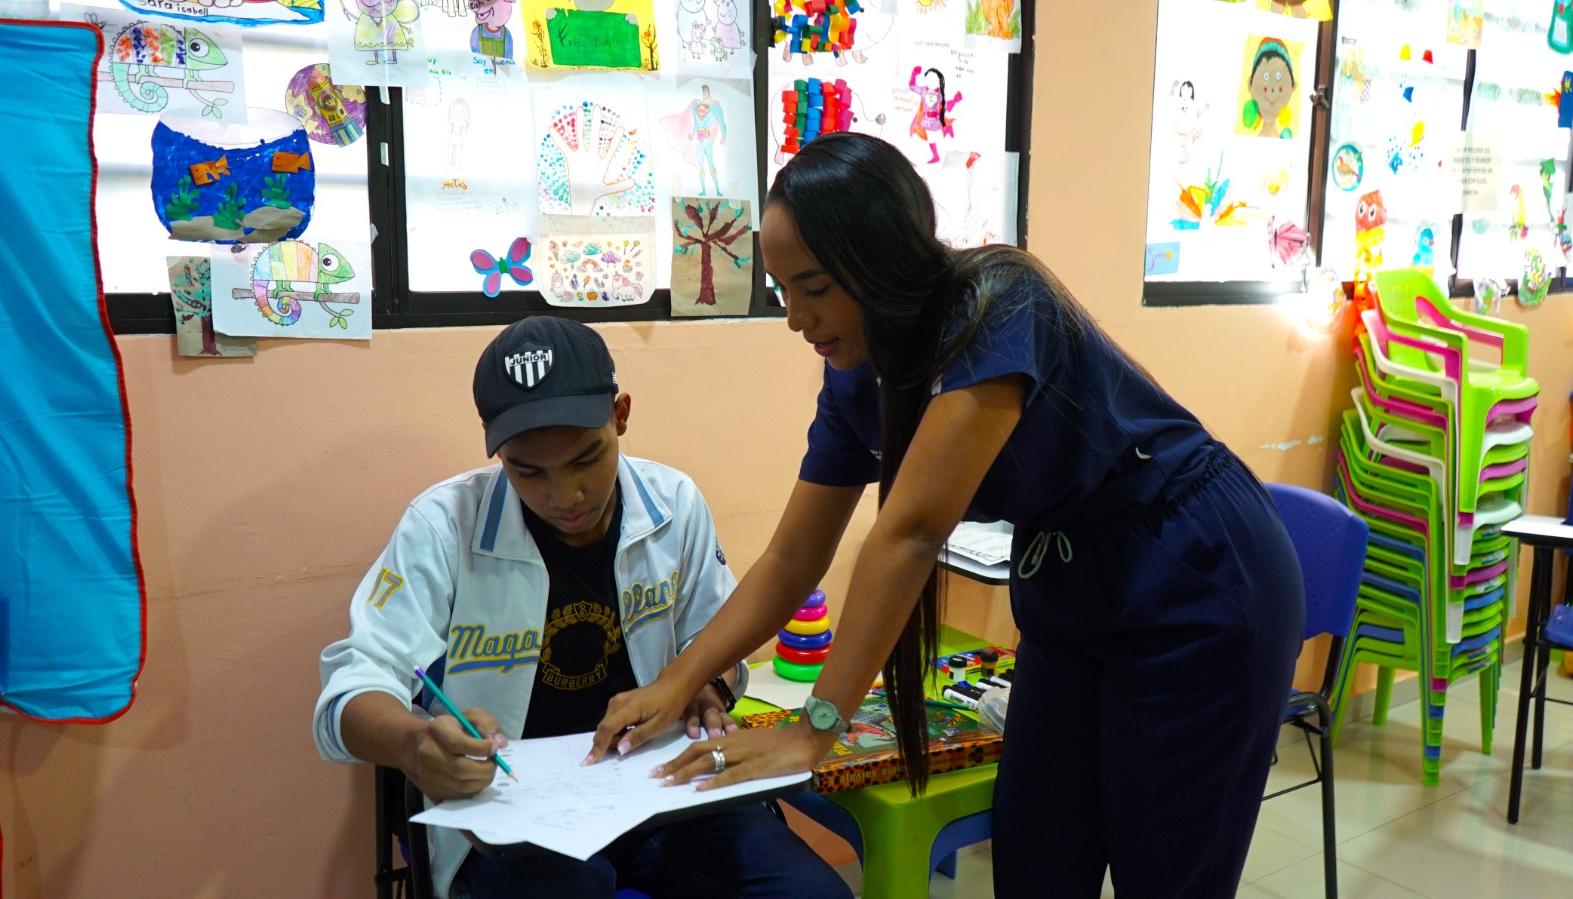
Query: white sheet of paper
point(985, 544)
point(595, 154)
point(387, 50)
point(577, 810)
point(765, 685)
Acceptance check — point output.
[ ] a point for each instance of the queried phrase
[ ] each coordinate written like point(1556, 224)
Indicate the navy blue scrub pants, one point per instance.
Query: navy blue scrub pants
point(1155, 662)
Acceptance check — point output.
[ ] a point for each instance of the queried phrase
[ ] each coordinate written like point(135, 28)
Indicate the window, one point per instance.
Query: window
point(1438, 141)
point(455, 165)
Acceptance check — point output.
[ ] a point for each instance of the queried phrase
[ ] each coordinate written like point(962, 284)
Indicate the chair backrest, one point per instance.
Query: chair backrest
point(409, 875)
point(1330, 541)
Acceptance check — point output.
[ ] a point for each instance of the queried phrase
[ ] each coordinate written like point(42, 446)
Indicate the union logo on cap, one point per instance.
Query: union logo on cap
point(529, 366)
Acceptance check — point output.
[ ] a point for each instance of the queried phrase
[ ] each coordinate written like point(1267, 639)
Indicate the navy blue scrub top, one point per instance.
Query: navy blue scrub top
point(1097, 441)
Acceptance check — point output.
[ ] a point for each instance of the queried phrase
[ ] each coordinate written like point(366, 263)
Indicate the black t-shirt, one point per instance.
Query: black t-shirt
point(584, 662)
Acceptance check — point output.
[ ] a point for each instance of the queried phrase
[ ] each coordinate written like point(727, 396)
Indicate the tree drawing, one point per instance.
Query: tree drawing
point(649, 45)
point(192, 287)
point(712, 226)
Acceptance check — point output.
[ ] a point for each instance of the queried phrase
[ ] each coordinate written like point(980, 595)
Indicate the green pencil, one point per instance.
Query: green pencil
point(452, 709)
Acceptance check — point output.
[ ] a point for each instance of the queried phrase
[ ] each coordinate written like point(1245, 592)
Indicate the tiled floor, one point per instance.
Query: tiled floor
point(1397, 838)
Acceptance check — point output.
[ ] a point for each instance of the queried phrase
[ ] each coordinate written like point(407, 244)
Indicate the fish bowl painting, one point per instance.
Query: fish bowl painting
point(333, 114)
point(230, 183)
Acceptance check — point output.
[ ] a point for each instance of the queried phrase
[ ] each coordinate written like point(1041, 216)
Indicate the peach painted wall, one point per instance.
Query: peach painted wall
point(266, 486)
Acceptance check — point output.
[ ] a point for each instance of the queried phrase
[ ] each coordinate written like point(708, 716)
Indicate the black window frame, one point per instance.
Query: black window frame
point(395, 306)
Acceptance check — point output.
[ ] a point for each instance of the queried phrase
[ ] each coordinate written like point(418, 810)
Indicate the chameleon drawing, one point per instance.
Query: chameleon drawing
point(289, 271)
point(146, 57)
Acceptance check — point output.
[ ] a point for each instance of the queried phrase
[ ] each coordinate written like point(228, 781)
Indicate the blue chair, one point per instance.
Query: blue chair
point(1330, 542)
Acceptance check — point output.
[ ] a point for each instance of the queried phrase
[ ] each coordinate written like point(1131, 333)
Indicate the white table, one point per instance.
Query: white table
point(993, 575)
point(1547, 535)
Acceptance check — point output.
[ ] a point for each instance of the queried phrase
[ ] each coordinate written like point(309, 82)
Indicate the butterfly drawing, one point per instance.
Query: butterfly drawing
point(512, 265)
point(1286, 241)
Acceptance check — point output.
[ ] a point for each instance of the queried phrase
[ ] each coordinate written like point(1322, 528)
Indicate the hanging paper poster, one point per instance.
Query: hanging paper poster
point(241, 12)
point(466, 182)
point(1227, 181)
point(333, 114)
point(947, 98)
point(1519, 208)
point(597, 270)
point(294, 288)
point(974, 197)
point(1320, 10)
point(594, 155)
point(1397, 95)
point(480, 39)
point(993, 23)
point(191, 293)
point(804, 29)
point(1466, 22)
point(712, 256)
point(151, 67)
point(1273, 71)
point(252, 183)
point(851, 90)
point(706, 143)
point(714, 38)
point(377, 43)
point(591, 34)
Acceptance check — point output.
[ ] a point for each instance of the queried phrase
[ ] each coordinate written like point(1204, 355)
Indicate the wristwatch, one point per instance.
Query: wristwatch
point(725, 692)
point(823, 716)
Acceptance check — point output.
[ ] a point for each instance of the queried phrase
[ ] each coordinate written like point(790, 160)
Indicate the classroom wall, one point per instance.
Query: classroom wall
point(1268, 387)
point(266, 486)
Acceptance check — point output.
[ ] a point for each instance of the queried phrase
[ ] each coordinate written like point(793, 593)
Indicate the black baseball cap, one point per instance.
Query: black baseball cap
point(543, 372)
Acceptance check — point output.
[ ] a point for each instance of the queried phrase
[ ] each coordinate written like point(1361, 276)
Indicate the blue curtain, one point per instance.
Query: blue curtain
point(71, 595)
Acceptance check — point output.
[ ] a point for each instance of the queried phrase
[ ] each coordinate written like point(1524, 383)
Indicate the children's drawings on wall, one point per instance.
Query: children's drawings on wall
point(707, 140)
point(935, 117)
point(333, 114)
point(469, 163)
point(599, 270)
point(191, 293)
point(808, 29)
point(151, 66)
point(1227, 178)
point(993, 23)
point(240, 12)
point(1466, 22)
point(591, 34)
point(697, 130)
point(712, 256)
point(594, 156)
point(1318, 10)
point(226, 183)
point(294, 288)
point(974, 196)
point(377, 42)
point(491, 37)
point(1273, 69)
point(513, 264)
point(713, 38)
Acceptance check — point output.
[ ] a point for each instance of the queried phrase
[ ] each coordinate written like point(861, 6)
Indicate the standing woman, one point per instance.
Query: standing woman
point(1157, 593)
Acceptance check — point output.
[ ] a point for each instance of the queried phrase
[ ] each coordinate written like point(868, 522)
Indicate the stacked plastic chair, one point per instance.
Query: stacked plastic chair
point(1434, 456)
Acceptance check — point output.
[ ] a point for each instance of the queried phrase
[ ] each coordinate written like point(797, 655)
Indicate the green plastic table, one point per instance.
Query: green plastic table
point(897, 829)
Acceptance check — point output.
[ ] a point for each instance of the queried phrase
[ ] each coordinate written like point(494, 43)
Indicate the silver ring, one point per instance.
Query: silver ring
point(719, 758)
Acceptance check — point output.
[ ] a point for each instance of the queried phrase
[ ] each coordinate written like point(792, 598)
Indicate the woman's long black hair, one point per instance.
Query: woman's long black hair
point(868, 220)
